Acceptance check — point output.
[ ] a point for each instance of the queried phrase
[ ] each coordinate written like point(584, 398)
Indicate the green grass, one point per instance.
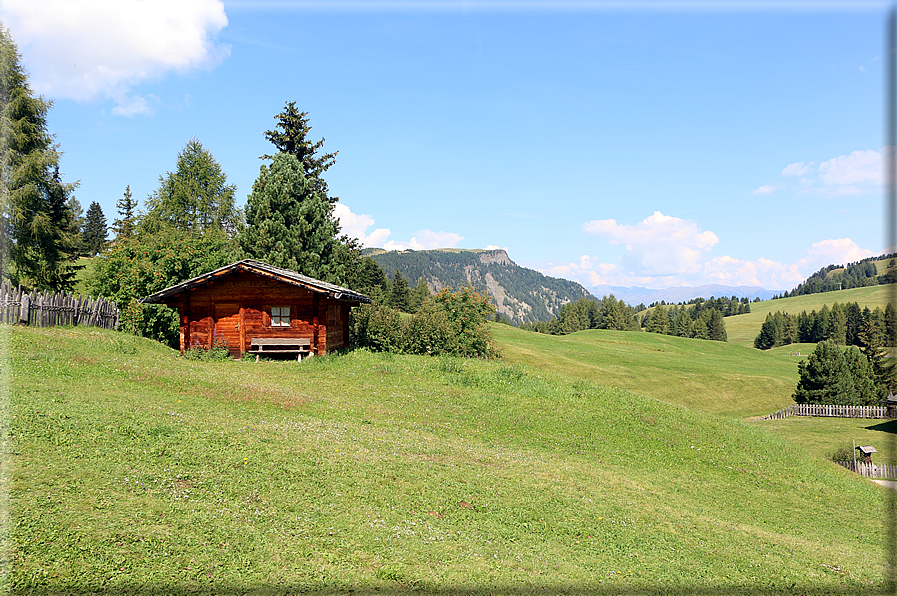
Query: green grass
point(714, 377)
point(743, 329)
point(136, 471)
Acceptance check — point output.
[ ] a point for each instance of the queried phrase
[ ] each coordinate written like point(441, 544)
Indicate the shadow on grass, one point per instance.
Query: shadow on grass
point(886, 427)
point(532, 589)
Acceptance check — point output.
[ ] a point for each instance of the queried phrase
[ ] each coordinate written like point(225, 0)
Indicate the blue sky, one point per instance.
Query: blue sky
point(635, 144)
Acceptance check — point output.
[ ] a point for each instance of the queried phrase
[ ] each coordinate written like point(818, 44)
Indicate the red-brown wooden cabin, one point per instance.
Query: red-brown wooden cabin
point(253, 300)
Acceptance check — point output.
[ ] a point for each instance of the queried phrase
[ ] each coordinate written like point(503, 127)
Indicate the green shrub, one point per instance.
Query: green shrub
point(430, 332)
point(377, 327)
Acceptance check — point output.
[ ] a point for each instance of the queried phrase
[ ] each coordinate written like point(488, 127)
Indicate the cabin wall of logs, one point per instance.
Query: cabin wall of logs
point(234, 310)
point(48, 309)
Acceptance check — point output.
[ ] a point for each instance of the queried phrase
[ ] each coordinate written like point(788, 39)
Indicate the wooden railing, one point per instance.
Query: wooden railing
point(884, 471)
point(48, 309)
point(830, 411)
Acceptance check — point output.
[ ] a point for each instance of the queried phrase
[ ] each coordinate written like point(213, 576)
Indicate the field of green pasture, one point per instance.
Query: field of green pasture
point(714, 377)
point(742, 329)
point(135, 471)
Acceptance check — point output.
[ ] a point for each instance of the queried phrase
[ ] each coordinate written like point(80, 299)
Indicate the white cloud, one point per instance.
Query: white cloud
point(797, 169)
point(356, 226)
point(96, 49)
point(659, 245)
point(685, 247)
point(857, 173)
point(496, 247)
point(765, 189)
point(860, 168)
point(426, 240)
point(136, 106)
point(832, 252)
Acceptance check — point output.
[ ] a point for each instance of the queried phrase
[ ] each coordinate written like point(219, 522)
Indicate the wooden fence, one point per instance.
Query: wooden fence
point(884, 471)
point(830, 411)
point(47, 309)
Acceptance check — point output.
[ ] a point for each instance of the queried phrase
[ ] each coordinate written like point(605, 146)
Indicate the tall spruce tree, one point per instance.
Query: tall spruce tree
point(94, 234)
point(127, 216)
point(35, 210)
point(196, 197)
point(290, 136)
point(288, 223)
point(400, 297)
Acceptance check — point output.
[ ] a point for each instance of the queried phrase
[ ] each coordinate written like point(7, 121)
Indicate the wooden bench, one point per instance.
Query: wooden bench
point(266, 346)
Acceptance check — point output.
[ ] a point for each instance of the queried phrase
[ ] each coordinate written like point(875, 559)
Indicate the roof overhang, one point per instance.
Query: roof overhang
point(264, 270)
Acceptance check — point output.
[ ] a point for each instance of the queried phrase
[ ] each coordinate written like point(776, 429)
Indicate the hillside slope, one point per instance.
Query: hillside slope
point(522, 295)
point(138, 472)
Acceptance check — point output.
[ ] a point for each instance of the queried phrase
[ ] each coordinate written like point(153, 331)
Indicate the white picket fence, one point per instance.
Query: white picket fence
point(48, 309)
point(883, 471)
point(830, 411)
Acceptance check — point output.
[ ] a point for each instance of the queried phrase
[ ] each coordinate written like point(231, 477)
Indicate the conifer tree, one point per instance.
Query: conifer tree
point(290, 136)
point(127, 217)
point(419, 294)
point(196, 197)
point(288, 223)
point(400, 297)
point(94, 233)
point(35, 209)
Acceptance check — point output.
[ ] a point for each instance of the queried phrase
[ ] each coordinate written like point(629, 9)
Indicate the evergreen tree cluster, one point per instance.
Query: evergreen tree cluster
point(838, 277)
point(843, 324)
point(727, 307)
point(695, 321)
point(607, 313)
point(832, 375)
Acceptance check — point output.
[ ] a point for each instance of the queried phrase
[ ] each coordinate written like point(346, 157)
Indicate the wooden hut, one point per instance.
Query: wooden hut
point(257, 308)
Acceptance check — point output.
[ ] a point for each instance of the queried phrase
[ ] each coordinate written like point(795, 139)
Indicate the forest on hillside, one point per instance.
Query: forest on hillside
point(854, 275)
point(521, 295)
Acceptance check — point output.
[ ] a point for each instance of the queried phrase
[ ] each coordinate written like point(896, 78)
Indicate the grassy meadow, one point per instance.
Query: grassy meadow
point(743, 329)
point(135, 471)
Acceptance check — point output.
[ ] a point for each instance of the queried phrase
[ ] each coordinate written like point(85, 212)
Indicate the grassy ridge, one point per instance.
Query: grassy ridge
point(135, 471)
point(742, 329)
point(715, 377)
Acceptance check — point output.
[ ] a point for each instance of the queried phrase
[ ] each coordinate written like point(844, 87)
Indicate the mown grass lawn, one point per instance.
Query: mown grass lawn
point(136, 471)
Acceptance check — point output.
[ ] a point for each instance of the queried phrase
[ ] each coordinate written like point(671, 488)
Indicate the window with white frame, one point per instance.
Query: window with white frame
point(280, 316)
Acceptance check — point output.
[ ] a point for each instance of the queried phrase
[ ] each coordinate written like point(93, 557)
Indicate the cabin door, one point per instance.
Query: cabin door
point(227, 325)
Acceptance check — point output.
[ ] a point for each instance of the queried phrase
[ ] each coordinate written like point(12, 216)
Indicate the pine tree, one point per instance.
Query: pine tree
point(288, 223)
point(196, 197)
point(94, 233)
point(419, 294)
point(400, 297)
point(716, 326)
point(823, 376)
point(127, 217)
point(290, 136)
point(35, 209)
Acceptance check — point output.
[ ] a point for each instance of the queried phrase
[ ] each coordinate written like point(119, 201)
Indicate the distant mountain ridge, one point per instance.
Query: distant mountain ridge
point(522, 295)
point(635, 296)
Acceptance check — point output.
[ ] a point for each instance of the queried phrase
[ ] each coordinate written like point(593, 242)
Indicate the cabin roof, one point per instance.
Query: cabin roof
point(265, 270)
point(867, 449)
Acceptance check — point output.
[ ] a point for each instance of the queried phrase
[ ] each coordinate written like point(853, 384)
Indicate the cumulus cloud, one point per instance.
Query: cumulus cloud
point(99, 49)
point(356, 226)
point(426, 240)
point(797, 169)
point(852, 173)
point(659, 238)
point(836, 251)
point(856, 173)
point(658, 245)
point(765, 190)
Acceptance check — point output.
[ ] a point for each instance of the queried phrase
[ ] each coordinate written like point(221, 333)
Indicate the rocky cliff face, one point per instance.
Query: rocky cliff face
point(521, 295)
